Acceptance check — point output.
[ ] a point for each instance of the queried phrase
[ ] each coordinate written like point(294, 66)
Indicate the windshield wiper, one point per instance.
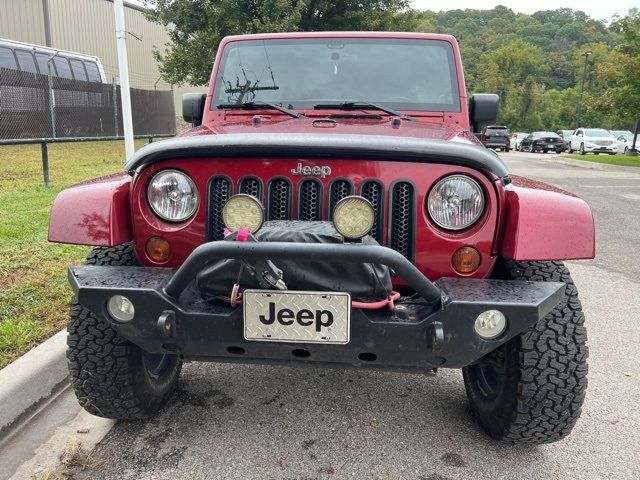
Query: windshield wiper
point(258, 105)
point(359, 105)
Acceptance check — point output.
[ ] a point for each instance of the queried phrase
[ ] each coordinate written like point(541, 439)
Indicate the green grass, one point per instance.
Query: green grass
point(617, 159)
point(34, 298)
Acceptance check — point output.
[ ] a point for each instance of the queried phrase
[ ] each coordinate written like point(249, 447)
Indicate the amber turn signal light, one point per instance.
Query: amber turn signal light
point(158, 249)
point(466, 260)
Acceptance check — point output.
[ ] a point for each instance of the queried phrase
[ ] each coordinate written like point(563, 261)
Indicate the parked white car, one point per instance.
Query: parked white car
point(516, 139)
point(624, 142)
point(593, 140)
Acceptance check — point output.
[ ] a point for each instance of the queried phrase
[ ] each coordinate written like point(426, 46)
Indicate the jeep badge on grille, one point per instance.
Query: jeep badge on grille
point(317, 171)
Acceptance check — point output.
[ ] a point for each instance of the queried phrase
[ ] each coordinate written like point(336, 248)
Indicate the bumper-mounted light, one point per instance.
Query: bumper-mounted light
point(353, 217)
point(490, 324)
point(121, 308)
point(243, 211)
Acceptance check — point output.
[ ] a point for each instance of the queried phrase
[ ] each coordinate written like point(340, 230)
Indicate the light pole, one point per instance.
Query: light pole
point(584, 77)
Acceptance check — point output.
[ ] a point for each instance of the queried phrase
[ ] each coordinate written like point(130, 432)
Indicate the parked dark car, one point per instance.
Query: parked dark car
point(542, 141)
point(496, 137)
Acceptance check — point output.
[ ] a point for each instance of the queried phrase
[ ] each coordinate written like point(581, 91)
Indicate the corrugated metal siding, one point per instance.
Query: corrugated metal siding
point(87, 26)
point(22, 20)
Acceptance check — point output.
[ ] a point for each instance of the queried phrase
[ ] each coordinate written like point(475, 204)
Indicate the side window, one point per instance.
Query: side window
point(62, 67)
point(578, 133)
point(26, 62)
point(41, 60)
point(78, 69)
point(7, 60)
point(93, 72)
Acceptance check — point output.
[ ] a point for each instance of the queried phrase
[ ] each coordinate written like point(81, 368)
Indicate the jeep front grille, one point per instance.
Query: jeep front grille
point(220, 189)
point(402, 218)
point(251, 186)
point(315, 202)
point(339, 189)
point(310, 200)
point(279, 199)
point(373, 191)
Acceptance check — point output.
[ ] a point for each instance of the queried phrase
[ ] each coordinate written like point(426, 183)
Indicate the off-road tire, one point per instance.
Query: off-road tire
point(543, 371)
point(110, 375)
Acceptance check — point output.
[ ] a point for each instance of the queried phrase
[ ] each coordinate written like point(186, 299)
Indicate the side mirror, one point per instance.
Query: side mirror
point(483, 109)
point(193, 107)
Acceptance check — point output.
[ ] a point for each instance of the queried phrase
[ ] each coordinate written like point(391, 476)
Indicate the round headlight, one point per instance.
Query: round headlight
point(455, 202)
point(172, 195)
point(243, 211)
point(353, 217)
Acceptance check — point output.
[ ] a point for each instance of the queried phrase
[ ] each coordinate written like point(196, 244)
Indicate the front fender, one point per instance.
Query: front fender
point(96, 213)
point(542, 222)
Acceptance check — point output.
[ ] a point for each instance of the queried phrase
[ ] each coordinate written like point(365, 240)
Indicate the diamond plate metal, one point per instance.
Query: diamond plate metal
point(256, 303)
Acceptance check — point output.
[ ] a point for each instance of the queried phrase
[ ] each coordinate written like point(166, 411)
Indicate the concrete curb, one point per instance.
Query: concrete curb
point(32, 378)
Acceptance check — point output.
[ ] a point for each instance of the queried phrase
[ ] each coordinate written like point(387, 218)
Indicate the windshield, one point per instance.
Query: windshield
point(597, 133)
point(301, 73)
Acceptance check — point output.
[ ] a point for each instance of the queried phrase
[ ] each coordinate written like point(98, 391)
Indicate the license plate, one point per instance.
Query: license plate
point(296, 317)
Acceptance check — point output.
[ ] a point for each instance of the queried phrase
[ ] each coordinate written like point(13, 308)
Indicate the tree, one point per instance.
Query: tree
point(617, 78)
point(197, 26)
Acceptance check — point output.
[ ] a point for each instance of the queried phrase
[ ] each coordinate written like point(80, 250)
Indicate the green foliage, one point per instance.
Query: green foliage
point(616, 82)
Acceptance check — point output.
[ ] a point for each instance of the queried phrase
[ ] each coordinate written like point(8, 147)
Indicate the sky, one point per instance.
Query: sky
point(598, 9)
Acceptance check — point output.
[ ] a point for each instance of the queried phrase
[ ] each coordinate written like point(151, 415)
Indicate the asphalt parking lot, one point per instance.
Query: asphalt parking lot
point(256, 422)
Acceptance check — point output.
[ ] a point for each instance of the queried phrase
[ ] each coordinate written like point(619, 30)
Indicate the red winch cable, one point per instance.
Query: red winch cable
point(387, 302)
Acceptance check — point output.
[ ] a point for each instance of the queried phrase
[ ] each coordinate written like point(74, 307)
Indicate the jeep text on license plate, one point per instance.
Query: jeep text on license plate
point(296, 317)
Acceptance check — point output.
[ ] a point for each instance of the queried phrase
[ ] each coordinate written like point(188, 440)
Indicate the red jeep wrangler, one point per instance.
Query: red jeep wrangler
point(331, 207)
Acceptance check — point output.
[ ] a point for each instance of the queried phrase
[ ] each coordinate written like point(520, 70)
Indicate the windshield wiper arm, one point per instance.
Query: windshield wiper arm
point(258, 105)
point(360, 105)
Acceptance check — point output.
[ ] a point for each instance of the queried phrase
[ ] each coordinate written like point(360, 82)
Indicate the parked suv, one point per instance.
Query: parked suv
point(595, 140)
point(496, 137)
point(316, 217)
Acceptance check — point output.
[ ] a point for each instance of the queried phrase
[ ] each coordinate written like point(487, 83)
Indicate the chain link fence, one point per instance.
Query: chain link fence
point(35, 106)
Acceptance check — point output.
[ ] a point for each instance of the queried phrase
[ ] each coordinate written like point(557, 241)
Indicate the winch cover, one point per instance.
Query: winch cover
point(361, 280)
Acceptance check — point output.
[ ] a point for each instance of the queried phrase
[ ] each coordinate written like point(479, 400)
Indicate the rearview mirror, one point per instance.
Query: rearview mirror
point(483, 110)
point(193, 107)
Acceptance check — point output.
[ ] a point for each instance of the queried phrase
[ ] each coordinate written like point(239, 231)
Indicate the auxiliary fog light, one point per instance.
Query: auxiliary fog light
point(353, 217)
point(490, 324)
point(243, 211)
point(121, 308)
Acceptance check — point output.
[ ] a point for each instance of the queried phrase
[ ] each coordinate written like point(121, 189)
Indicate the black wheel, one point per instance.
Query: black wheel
point(612, 153)
point(545, 150)
point(532, 388)
point(112, 377)
point(569, 148)
point(582, 150)
point(596, 153)
point(507, 149)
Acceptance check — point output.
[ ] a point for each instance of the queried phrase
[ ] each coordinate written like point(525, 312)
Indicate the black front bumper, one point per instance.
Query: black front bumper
point(434, 330)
